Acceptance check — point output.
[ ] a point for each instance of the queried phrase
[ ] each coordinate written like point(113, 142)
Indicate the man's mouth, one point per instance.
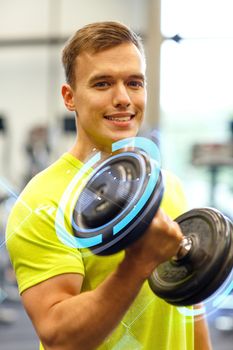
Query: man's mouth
point(117, 118)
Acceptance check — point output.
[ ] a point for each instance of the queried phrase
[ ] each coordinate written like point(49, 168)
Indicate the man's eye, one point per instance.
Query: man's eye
point(136, 83)
point(102, 84)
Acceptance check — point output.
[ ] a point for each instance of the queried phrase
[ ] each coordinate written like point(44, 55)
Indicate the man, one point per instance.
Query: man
point(78, 301)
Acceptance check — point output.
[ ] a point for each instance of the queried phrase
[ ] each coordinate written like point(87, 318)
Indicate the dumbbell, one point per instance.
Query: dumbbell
point(203, 262)
point(117, 204)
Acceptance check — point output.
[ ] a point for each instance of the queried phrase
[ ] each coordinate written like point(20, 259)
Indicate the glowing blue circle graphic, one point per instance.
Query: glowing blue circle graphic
point(76, 242)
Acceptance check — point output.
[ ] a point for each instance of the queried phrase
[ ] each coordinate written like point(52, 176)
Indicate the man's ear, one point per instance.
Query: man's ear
point(68, 97)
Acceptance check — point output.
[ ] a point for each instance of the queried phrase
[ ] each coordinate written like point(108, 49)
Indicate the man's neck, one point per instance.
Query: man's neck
point(84, 152)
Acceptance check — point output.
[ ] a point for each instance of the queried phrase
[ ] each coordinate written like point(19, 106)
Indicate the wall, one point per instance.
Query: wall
point(31, 75)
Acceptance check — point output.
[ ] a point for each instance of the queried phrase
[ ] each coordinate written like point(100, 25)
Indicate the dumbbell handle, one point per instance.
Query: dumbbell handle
point(185, 247)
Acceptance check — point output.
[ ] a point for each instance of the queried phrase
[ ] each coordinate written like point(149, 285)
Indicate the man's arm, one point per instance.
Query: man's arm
point(66, 319)
point(201, 334)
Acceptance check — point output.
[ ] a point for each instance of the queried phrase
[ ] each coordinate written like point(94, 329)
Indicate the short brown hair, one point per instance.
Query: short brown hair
point(96, 37)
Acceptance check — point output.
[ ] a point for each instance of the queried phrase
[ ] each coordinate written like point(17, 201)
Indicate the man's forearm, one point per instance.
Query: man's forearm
point(202, 339)
point(85, 320)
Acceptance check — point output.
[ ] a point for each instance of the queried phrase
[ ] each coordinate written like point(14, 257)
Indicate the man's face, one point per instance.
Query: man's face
point(109, 96)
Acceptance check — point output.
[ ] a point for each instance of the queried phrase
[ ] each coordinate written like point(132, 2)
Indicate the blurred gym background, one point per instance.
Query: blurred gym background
point(189, 47)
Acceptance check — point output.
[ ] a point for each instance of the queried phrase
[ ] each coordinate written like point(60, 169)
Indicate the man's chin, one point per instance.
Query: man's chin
point(106, 143)
point(124, 135)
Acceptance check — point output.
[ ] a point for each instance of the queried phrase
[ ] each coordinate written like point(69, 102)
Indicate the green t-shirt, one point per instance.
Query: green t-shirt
point(37, 253)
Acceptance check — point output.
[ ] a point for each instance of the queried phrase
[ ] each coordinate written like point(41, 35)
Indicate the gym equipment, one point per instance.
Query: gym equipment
point(204, 260)
point(118, 203)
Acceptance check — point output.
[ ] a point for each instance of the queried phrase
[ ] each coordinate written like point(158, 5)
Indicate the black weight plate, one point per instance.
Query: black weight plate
point(199, 274)
point(109, 192)
point(221, 275)
point(110, 195)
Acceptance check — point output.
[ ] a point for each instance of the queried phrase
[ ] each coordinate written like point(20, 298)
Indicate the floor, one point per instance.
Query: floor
point(16, 331)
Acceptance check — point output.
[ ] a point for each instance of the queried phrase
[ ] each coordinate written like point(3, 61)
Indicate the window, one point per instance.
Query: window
point(196, 92)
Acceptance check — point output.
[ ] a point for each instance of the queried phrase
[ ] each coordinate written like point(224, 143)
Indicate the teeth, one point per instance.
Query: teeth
point(122, 119)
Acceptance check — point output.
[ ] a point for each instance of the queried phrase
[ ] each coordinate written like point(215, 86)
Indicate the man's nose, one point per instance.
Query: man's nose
point(121, 96)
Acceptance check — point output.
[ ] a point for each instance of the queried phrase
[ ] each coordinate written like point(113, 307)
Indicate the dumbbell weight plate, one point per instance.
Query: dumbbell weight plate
point(201, 272)
point(111, 195)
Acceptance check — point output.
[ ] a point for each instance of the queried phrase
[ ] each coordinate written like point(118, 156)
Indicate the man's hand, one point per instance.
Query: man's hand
point(159, 243)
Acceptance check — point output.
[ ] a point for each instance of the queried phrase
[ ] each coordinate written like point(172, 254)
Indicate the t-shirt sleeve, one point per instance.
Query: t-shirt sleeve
point(174, 201)
point(35, 250)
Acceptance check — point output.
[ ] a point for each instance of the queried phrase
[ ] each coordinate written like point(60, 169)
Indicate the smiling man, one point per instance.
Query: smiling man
point(107, 94)
point(81, 301)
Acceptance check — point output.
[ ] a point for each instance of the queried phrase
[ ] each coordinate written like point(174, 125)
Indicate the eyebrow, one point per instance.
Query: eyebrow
point(138, 76)
point(105, 76)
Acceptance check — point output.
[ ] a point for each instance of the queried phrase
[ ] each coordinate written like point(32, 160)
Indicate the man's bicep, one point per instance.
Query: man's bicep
point(39, 299)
